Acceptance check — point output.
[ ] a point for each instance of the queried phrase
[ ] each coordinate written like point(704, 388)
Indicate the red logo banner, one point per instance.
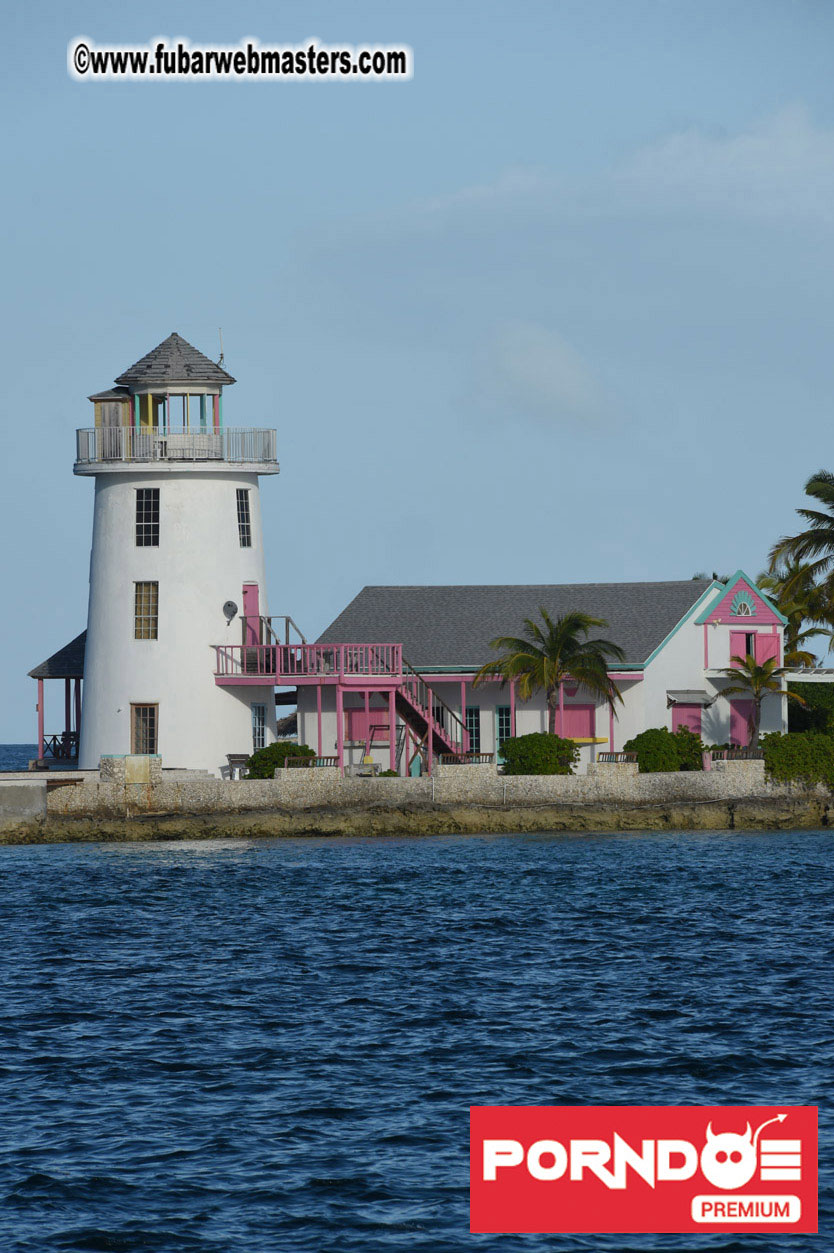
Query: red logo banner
point(643, 1168)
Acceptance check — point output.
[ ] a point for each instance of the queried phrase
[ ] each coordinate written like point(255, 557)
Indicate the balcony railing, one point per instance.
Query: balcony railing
point(144, 443)
point(298, 661)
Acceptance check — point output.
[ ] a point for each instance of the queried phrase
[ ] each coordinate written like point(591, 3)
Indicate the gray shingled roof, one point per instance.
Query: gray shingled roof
point(67, 663)
point(111, 393)
point(452, 626)
point(174, 361)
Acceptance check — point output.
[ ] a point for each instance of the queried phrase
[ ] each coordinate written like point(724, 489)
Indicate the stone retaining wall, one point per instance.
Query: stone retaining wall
point(22, 800)
point(294, 790)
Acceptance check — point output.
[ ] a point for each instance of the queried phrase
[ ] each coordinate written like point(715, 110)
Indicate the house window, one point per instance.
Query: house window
point(750, 645)
point(244, 519)
point(146, 611)
point(258, 727)
point(144, 722)
point(473, 727)
point(503, 726)
point(147, 517)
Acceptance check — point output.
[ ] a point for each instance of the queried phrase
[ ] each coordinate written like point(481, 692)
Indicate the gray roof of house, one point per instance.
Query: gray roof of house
point(173, 361)
point(452, 626)
point(67, 663)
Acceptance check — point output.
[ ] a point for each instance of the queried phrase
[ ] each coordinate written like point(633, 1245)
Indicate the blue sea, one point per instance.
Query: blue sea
point(17, 756)
point(270, 1045)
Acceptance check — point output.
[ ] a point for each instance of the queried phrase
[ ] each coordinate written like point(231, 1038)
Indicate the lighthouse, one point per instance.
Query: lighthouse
point(176, 567)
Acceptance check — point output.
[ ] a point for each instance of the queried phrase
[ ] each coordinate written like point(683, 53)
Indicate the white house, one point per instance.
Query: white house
point(678, 638)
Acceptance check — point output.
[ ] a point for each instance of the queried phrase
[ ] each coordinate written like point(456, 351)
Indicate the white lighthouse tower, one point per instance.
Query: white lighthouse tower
point(176, 568)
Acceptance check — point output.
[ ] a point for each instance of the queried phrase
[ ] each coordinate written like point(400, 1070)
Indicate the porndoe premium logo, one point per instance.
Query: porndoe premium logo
point(643, 1168)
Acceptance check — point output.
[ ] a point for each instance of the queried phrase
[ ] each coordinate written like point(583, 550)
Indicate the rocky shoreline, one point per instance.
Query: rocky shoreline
point(808, 810)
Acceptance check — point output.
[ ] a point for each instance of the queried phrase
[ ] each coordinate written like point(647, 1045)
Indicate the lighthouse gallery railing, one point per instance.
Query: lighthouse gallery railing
point(145, 443)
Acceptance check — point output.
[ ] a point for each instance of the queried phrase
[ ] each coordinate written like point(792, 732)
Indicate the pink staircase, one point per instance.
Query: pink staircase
point(367, 667)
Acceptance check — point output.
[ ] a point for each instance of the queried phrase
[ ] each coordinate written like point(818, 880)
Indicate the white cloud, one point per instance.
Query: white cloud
point(782, 168)
point(534, 371)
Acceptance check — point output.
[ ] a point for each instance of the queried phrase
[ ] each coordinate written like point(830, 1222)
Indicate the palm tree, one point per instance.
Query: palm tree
point(816, 544)
point(806, 605)
point(545, 655)
point(755, 682)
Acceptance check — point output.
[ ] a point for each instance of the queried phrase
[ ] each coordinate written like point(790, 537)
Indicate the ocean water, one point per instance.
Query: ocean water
point(272, 1045)
point(17, 756)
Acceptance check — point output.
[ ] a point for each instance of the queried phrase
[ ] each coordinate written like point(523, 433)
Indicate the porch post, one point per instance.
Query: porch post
point(40, 719)
point(392, 730)
point(67, 706)
point(368, 737)
point(340, 729)
point(318, 713)
point(512, 707)
point(611, 728)
point(561, 707)
point(429, 735)
point(78, 712)
point(465, 745)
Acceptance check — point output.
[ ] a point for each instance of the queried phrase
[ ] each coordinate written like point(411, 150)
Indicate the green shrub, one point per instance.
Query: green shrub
point(690, 749)
point(659, 751)
point(799, 756)
point(264, 763)
point(817, 714)
point(539, 753)
point(388, 774)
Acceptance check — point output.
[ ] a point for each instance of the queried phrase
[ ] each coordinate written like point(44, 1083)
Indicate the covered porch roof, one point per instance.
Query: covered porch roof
point(67, 663)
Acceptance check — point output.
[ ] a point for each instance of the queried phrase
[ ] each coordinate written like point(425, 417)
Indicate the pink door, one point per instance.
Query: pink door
point(767, 647)
point(688, 716)
point(577, 722)
point(251, 612)
point(741, 712)
point(738, 646)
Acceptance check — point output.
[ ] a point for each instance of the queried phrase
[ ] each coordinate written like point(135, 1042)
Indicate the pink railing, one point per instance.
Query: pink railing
point(295, 661)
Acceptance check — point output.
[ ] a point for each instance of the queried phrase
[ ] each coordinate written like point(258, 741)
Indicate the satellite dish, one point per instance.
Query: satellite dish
point(230, 610)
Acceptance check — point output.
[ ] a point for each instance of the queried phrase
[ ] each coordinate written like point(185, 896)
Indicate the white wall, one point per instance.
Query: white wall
point(199, 565)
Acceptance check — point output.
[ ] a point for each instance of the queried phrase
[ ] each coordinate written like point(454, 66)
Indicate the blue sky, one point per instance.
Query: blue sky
point(558, 309)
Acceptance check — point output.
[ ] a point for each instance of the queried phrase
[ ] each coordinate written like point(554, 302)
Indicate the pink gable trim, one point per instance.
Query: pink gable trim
point(764, 616)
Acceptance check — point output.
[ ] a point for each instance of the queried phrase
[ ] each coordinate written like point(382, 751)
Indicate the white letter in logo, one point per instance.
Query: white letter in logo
point(536, 1152)
point(501, 1153)
point(591, 1154)
point(666, 1149)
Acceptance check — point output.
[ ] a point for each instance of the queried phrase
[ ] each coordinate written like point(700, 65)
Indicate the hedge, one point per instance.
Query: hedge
point(799, 756)
point(659, 750)
point(818, 712)
point(539, 753)
point(264, 763)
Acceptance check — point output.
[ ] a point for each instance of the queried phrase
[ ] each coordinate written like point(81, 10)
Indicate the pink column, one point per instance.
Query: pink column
point(611, 728)
point(318, 713)
point(340, 728)
point(40, 719)
point(512, 707)
point(392, 730)
point(561, 707)
point(465, 745)
point(216, 400)
point(368, 719)
point(429, 736)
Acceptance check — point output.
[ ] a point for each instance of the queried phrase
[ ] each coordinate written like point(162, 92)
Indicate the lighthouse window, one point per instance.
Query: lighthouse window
point(146, 611)
point(143, 728)
point(244, 521)
point(147, 517)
